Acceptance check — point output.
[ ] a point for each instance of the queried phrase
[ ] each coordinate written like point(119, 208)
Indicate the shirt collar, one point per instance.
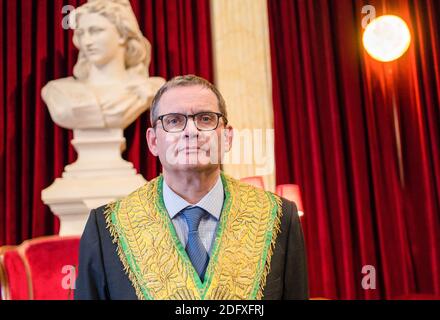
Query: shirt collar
point(212, 202)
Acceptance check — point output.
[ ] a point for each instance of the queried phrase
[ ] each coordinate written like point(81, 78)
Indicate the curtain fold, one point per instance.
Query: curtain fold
point(36, 49)
point(335, 138)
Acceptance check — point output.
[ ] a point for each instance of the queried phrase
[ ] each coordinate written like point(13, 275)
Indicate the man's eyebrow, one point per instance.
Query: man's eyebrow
point(198, 111)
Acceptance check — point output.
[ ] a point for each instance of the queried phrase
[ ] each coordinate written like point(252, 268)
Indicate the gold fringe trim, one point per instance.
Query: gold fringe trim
point(115, 235)
point(276, 230)
point(109, 209)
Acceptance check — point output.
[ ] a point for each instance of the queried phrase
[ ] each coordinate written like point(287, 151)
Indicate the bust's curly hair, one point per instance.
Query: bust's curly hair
point(120, 13)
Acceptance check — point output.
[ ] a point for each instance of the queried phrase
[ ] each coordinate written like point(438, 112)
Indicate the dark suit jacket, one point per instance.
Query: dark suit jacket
point(101, 274)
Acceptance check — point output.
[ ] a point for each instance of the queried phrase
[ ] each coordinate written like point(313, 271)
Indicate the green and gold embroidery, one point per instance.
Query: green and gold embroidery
point(157, 264)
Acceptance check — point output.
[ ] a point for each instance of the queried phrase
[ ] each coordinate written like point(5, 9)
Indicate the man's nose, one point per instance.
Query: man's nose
point(191, 129)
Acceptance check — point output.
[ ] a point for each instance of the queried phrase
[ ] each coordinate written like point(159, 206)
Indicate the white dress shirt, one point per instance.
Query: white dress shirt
point(212, 202)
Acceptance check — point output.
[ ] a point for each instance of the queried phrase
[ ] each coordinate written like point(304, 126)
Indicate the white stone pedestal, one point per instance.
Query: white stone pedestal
point(99, 176)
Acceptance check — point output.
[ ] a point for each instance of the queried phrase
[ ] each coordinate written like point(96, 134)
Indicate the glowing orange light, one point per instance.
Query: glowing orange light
point(386, 38)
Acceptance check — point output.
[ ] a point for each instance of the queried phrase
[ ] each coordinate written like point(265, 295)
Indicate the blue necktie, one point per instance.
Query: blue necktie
point(194, 247)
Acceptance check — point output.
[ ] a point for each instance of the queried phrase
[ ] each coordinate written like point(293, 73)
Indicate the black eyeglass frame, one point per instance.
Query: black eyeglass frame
point(193, 116)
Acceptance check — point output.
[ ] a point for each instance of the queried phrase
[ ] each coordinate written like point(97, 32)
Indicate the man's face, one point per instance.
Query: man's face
point(190, 149)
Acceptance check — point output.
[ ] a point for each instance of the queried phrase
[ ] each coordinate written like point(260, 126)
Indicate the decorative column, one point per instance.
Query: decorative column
point(243, 75)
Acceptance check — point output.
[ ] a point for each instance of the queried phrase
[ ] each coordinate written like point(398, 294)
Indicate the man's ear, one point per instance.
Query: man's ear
point(152, 141)
point(229, 135)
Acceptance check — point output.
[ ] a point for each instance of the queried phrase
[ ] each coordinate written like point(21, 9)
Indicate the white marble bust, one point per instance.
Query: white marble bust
point(111, 86)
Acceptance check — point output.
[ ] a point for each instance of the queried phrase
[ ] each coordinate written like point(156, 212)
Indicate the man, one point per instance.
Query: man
point(193, 232)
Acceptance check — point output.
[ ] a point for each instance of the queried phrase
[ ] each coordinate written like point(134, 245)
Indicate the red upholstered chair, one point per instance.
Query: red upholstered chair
point(50, 261)
point(291, 192)
point(13, 276)
point(49, 267)
point(256, 181)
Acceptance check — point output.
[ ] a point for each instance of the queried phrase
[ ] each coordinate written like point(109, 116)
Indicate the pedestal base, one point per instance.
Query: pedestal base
point(99, 176)
point(73, 199)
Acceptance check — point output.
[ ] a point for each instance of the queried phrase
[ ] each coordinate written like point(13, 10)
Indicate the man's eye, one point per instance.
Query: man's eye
point(206, 118)
point(172, 121)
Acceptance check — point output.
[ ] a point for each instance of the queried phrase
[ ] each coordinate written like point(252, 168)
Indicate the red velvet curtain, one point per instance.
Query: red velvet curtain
point(335, 137)
point(36, 49)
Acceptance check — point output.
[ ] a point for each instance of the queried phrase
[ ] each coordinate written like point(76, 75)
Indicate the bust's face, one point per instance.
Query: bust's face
point(98, 38)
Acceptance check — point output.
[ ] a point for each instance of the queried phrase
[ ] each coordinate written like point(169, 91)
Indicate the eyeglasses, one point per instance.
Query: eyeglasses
point(204, 121)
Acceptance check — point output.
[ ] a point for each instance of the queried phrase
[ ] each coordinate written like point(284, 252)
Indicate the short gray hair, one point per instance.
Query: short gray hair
point(185, 81)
